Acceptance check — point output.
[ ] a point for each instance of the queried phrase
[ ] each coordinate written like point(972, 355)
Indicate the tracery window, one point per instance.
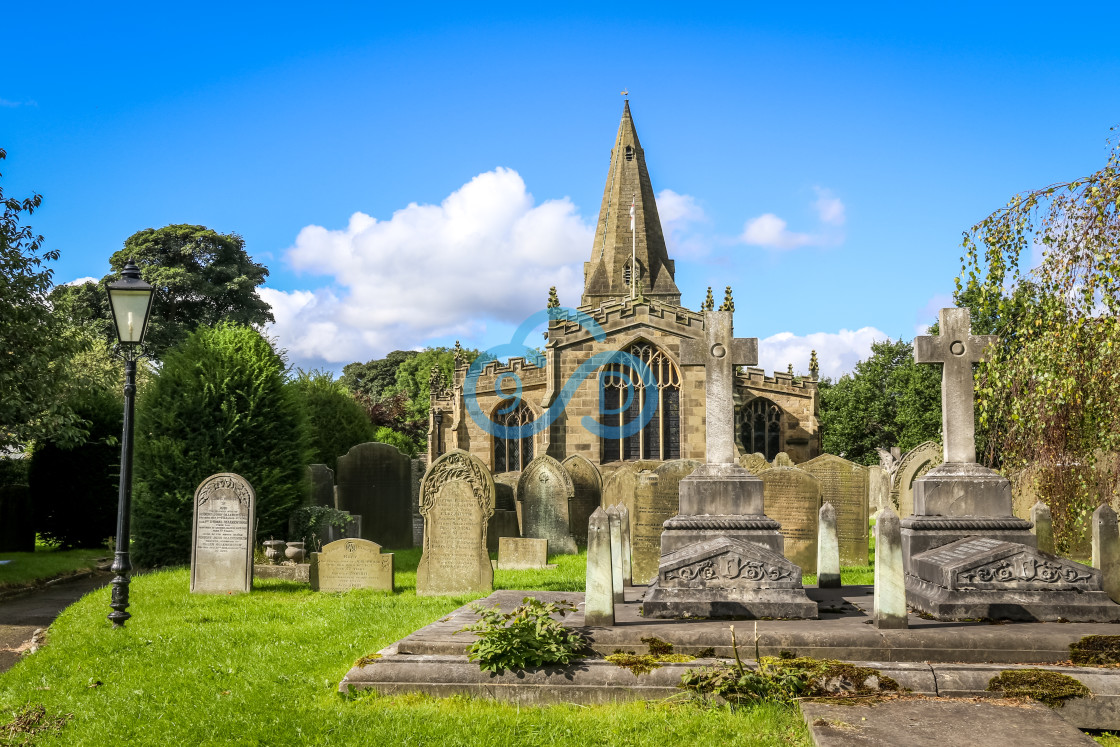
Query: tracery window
point(512, 454)
point(661, 437)
point(760, 427)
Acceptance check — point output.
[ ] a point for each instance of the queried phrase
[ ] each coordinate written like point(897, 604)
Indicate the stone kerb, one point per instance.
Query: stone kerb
point(222, 535)
point(456, 501)
point(545, 492)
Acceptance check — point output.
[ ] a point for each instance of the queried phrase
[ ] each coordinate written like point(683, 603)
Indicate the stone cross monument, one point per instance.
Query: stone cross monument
point(956, 348)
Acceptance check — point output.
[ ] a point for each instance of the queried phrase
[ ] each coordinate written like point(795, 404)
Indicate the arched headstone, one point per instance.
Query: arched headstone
point(456, 501)
point(588, 484)
point(754, 463)
point(793, 499)
point(915, 463)
point(222, 535)
point(654, 500)
point(844, 484)
point(782, 460)
point(545, 491)
point(375, 482)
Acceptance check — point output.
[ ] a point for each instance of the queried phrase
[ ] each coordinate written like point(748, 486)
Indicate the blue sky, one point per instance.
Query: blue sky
point(823, 161)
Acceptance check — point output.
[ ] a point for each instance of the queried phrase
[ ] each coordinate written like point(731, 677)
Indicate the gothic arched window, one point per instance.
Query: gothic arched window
point(512, 454)
point(661, 437)
point(760, 428)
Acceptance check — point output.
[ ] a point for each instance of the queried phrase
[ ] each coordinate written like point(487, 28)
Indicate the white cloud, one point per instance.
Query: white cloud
point(770, 231)
point(679, 213)
point(81, 281)
point(829, 207)
point(837, 352)
point(927, 315)
point(487, 252)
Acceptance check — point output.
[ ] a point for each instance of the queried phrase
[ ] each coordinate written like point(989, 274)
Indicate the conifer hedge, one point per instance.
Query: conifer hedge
point(335, 419)
point(219, 404)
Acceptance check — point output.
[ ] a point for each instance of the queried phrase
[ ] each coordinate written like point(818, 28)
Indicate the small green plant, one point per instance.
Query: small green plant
point(658, 647)
point(1051, 688)
point(308, 522)
point(526, 637)
point(660, 652)
point(1095, 650)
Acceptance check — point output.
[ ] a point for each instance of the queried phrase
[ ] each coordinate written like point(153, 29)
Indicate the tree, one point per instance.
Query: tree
point(888, 400)
point(31, 339)
point(201, 278)
point(374, 377)
point(1047, 395)
point(335, 419)
point(218, 404)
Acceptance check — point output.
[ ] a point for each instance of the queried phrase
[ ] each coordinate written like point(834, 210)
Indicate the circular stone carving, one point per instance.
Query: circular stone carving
point(718, 350)
point(957, 348)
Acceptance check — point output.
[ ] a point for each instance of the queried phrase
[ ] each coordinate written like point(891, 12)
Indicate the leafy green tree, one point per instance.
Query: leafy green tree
point(887, 400)
point(1047, 395)
point(374, 377)
point(218, 404)
point(414, 379)
point(201, 277)
point(405, 444)
point(31, 338)
point(335, 419)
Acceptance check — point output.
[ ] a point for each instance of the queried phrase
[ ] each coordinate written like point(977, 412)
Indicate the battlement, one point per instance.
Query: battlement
point(757, 376)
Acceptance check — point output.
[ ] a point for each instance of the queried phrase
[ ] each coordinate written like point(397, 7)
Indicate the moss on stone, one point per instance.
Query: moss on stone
point(645, 663)
point(658, 647)
point(831, 677)
point(365, 661)
point(1095, 650)
point(1051, 688)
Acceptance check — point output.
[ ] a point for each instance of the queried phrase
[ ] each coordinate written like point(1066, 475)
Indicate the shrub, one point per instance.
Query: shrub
point(218, 404)
point(335, 420)
point(404, 444)
point(525, 637)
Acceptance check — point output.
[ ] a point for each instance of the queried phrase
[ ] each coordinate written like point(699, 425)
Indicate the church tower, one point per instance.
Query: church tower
point(609, 273)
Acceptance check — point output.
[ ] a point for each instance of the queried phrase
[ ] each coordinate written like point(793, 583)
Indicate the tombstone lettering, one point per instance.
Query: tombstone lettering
point(545, 490)
point(656, 499)
point(351, 564)
point(417, 474)
point(522, 553)
point(456, 500)
point(588, 485)
point(222, 535)
point(375, 481)
point(844, 484)
point(793, 499)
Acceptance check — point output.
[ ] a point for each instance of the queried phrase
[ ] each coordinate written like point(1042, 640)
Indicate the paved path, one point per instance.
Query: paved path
point(20, 616)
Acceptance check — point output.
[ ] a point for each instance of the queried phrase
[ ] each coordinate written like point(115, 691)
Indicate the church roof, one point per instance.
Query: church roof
point(607, 274)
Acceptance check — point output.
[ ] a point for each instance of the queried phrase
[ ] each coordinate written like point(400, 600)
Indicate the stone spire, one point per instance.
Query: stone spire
point(814, 366)
point(608, 273)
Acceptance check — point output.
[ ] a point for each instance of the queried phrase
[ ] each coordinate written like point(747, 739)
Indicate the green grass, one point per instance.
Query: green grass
point(263, 668)
point(44, 564)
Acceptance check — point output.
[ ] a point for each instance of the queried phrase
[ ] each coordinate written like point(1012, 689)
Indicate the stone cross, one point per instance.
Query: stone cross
point(720, 354)
point(956, 348)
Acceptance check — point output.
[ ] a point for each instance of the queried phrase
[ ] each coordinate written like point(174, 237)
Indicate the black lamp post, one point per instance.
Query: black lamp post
point(130, 299)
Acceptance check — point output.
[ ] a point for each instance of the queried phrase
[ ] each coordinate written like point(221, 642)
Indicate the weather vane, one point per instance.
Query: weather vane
point(624, 92)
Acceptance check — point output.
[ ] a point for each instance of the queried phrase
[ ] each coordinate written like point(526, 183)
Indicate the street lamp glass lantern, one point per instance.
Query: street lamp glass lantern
point(130, 299)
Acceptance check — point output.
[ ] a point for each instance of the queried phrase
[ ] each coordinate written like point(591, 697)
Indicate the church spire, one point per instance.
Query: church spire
point(609, 273)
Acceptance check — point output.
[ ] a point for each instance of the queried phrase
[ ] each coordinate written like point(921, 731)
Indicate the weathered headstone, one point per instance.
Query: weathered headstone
point(456, 500)
point(1106, 550)
point(320, 485)
point(890, 577)
point(502, 524)
point(627, 563)
point(793, 498)
point(754, 463)
point(522, 553)
point(878, 488)
point(415, 477)
point(222, 535)
point(781, 459)
point(588, 484)
point(351, 530)
point(505, 496)
point(828, 549)
point(914, 464)
point(617, 582)
point(598, 598)
point(654, 500)
point(844, 484)
point(375, 481)
point(351, 564)
point(17, 519)
point(545, 490)
point(1043, 527)
point(619, 486)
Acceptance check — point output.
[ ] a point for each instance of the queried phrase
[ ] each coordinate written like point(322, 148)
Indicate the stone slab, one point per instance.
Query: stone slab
point(522, 553)
point(936, 722)
point(351, 564)
point(297, 572)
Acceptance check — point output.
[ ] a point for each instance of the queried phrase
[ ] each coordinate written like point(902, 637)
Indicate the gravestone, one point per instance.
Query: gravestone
point(1106, 550)
point(878, 488)
point(506, 521)
point(844, 484)
point(828, 549)
point(754, 463)
point(1043, 527)
point(456, 500)
point(351, 530)
point(627, 562)
point(782, 460)
point(522, 553)
point(598, 598)
point(351, 564)
point(505, 496)
point(544, 491)
point(648, 512)
point(914, 464)
point(320, 485)
point(222, 535)
point(17, 519)
point(890, 576)
point(793, 499)
point(617, 583)
point(619, 486)
point(588, 484)
point(415, 477)
point(374, 480)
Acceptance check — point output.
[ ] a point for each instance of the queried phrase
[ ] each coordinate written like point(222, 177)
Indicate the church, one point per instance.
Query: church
point(630, 291)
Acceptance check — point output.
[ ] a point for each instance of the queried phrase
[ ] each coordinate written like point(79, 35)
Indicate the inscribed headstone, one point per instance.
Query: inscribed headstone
point(320, 485)
point(915, 463)
point(351, 564)
point(754, 463)
point(520, 553)
point(544, 491)
point(375, 481)
point(844, 484)
point(456, 500)
point(793, 499)
point(618, 486)
point(782, 460)
point(588, 484)
point(598, 598)
point(655, 500)
point(222, 535)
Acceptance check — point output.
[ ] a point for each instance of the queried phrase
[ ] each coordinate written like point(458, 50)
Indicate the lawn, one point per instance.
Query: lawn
point(44, 564)
point(264, 668)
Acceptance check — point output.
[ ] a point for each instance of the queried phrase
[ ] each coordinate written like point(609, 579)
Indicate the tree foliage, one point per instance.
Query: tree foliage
point(374, 377)
point(335, 420)
point(218, 404)
point(31, 342)
point(887, 400)
point(201, 277)
point(1047, 396)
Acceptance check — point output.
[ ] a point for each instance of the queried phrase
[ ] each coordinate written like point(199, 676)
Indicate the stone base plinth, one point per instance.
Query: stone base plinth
point(1036, 606)
point(735, 604)
point(918, 537)
point(682, 531)
point(721, 490)
point(295, 572)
